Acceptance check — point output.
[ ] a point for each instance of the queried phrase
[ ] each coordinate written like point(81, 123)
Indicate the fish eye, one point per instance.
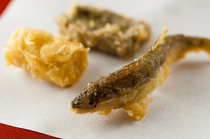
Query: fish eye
point(91, 101)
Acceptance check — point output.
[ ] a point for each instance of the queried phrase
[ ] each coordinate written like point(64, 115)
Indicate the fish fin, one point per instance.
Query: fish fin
point(160, 38)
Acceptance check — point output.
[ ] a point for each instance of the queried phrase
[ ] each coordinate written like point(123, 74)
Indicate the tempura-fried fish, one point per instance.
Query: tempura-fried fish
point(129, 86)
point(103, 30)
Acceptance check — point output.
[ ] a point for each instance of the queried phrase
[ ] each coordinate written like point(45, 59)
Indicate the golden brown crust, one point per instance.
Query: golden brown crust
point(46, 57)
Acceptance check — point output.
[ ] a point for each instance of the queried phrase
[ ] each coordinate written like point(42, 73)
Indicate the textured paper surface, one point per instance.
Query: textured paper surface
point(181, 105)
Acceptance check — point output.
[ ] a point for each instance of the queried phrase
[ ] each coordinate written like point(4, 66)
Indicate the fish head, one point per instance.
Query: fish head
point(97, 97)
point(85, 100)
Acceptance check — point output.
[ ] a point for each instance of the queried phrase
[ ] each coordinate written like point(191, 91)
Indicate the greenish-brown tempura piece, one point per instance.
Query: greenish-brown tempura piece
point(103, 30)
point(129, 86)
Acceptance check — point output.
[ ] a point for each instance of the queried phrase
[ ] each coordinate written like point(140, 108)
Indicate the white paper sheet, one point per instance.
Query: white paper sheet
point(181, 105)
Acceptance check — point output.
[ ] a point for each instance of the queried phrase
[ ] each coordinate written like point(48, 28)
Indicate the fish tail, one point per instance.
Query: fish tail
point(182, 45)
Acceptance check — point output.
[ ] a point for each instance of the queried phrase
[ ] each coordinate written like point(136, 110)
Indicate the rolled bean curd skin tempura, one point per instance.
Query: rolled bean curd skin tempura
point(128, 87)
point(46, 57)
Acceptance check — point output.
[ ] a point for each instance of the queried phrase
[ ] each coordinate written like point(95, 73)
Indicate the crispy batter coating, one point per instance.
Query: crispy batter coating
point(103, 30)
point(46, 57)
point(129, 86)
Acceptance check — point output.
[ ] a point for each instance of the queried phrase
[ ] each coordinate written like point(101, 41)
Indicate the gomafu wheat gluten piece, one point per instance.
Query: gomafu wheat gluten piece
point(128, 87)
point(46, 57)
point(103, 30)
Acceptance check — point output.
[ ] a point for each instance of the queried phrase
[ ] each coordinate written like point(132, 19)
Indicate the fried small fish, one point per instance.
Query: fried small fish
point(103, 30)
point(128, 87)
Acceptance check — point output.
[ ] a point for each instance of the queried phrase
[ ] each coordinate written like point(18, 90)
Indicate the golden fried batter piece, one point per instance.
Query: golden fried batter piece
point(46, 57)
point(103, 30)
point(128, 87)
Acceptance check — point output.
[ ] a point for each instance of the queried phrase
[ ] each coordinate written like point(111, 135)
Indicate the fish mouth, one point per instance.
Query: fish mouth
point(76, 103)
point(74, 107)
point(75, 110)
point(72, 110)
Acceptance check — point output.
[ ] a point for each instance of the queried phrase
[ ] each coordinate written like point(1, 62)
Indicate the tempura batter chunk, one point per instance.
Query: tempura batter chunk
point(103, 30)
point(46, 57)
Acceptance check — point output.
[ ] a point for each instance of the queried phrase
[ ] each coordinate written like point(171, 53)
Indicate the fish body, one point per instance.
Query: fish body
point(129, 86)
point(103, 30)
